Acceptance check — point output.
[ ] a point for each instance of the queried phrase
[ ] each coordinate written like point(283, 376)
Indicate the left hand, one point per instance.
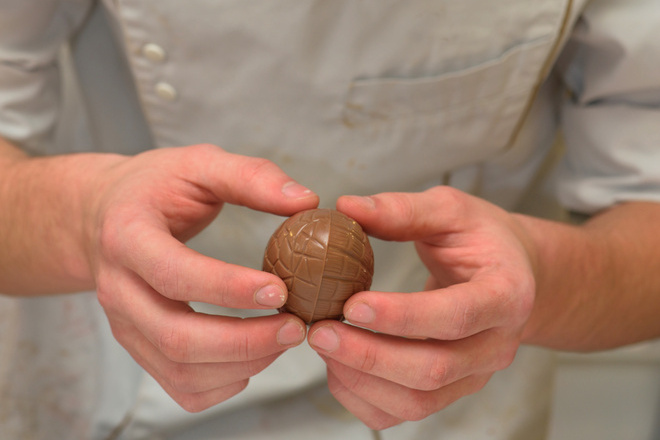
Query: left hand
point(433, 347)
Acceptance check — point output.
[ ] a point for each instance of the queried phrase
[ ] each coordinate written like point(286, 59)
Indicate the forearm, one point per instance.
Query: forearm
point(43, 221)
point(598, 285)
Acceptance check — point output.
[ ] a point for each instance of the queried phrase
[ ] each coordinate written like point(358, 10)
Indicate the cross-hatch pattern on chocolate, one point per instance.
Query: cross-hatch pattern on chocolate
point(323, 257)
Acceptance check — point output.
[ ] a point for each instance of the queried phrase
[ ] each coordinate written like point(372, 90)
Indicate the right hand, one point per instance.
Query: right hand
point(145, 208)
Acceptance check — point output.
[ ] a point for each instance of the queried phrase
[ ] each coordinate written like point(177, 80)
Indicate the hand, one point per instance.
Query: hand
point(430, 348)
point(148, 205)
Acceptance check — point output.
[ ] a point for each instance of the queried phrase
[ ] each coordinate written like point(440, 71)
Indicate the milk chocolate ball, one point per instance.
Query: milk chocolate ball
point(323, 257)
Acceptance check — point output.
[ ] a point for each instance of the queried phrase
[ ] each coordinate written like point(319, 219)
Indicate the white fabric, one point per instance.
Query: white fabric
point(347, 97)
point(611, 120)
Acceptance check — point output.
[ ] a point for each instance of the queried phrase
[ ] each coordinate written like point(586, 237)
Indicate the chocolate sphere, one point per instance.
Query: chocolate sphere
point(323, 257)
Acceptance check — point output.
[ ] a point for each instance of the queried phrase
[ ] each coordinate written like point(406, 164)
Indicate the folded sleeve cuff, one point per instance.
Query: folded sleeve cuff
point(612, 155)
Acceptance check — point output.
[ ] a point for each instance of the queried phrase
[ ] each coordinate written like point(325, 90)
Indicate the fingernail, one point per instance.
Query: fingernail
point(291, 333)
point(325, 338)
point(365, 202)
point(360, 313)
point(294, 190)
point(270, 296)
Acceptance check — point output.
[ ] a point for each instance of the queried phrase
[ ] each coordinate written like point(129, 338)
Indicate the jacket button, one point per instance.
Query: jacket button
point(166, 91)
point(154, 52)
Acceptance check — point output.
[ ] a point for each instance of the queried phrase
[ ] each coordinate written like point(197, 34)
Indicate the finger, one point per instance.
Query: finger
point(373, 396)
point(369, 414)
point(185, 336)
point(194, 387)
point(197, 402)
point(187, 378)
point(182, 274)
point(249, 181)
point(417, 364)
point(455, 312)
point(410, 216)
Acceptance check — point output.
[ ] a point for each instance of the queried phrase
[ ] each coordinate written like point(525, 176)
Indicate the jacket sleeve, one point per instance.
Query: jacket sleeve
point(32, 34)
point(611, 117)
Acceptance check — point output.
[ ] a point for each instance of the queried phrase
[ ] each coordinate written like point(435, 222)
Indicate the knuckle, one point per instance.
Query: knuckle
point(175, 344)
point(527, 296)
point(235, 388)
point(463, 321)
point(107, 293)
point(505, 357)
point(165, 277)
point(379, 422)
point(255, 367)
point(434, 375)
point(104, 296)
point(369, 359)
point(122, 333)
point(203, 149)
point(254, 169)
point(467, 320)
point(191, 402)
point(241, 347)
point(405, 208)
point(476, 383)
point(417, 408)
point(452, 199)
point(180, 381)
point(196, 402)
point(516, 298)
point(354, 381)
point(109, 235)
point(336, 387)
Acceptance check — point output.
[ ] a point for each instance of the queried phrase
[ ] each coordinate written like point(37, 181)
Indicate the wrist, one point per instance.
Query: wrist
point(558, 254)
point(51, 199)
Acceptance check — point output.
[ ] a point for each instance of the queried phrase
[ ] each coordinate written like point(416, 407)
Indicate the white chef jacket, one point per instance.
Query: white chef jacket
point(346, 96)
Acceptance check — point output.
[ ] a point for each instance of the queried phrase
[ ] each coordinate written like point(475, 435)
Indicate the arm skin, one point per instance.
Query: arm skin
point(41, 222)
point(598, 284)
point(497, 280)
point(118, 223)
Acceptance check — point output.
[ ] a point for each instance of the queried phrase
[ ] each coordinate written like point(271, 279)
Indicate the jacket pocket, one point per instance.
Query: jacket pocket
point(459, 112)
